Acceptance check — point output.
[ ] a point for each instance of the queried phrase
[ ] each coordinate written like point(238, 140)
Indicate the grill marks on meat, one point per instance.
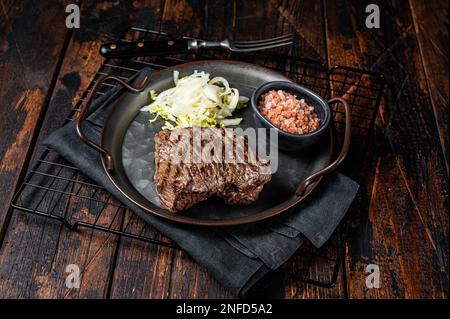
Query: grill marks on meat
point(182, 184)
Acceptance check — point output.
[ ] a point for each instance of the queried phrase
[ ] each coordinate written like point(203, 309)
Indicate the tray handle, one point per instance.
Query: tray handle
point(84, 109)
point(345, 147)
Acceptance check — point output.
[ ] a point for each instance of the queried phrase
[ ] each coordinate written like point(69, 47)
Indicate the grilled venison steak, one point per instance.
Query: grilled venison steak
point(181, 184)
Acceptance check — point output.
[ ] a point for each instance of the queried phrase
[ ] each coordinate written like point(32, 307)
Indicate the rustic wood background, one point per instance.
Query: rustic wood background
point(44, 66)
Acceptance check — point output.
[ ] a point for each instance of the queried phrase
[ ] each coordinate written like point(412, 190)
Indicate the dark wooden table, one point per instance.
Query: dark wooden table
point(404, 229)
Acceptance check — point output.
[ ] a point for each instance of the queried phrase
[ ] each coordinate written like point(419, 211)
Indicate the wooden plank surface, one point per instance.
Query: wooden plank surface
point(405, 231)
point(26, 77)
point(36, 252)
point(430, 19)
point(404, 228)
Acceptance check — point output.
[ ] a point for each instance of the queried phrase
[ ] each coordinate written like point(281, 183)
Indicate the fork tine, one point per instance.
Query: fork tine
point(260, 47)
point(247, 45)
point(285, 42)
point(264, 44)
point(265, 41)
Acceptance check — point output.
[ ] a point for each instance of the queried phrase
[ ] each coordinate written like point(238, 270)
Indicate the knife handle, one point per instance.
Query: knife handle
point(142, 48)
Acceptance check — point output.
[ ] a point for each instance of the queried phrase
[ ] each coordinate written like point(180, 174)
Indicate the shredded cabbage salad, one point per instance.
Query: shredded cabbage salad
point(196, 100)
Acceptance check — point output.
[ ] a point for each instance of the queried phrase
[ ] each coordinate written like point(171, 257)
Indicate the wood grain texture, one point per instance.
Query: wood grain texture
point(403, 221)
point(310, 263)
point(430, 20)
point(142, 270)
point(405, 230)
point(34, 258)
point(305, 20)
point(26, 75)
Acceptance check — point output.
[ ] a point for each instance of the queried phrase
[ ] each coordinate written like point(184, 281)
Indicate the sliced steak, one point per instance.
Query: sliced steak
point(204, 171)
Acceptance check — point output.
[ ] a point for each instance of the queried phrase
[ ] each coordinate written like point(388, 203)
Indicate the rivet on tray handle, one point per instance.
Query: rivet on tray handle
point(83, 112)
point(345, 147)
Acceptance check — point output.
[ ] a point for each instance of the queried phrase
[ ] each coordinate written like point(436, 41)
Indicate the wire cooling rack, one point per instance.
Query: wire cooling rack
point(52, 184)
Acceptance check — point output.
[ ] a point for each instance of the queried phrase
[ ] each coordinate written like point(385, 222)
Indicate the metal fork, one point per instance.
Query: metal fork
point(169, 46)
point(245, 46)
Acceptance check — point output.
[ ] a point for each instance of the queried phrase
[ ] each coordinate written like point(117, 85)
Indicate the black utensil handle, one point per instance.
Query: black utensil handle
point(142, 48)
point(301, 190)
point(107, 158)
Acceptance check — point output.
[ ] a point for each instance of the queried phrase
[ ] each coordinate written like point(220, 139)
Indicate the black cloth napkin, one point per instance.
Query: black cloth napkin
point(237, 256)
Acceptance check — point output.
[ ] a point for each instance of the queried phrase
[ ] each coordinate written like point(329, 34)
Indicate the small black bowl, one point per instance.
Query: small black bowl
point(289, 141)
